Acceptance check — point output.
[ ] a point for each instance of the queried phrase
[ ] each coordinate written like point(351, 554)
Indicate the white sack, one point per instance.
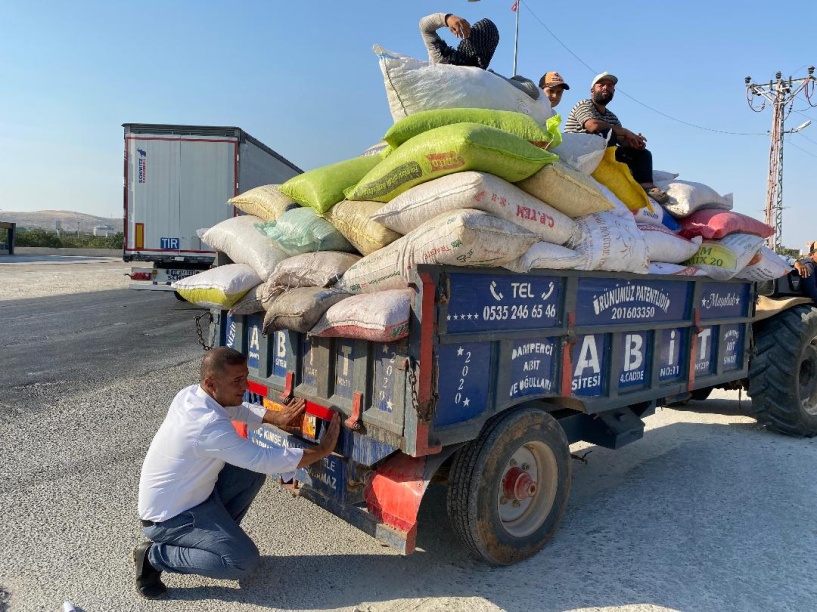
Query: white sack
point(686, 197)
point(582, 152)
point(219, 287)
point(611, 242)
point(479, 191)
point(238, 238)
point(319, 269)
point(463, 238)
point(722, 259)
point(765, 265)
point(666, 247)
point(413, 85)
point(658, 267)
point(550, 256)
point(662, 175)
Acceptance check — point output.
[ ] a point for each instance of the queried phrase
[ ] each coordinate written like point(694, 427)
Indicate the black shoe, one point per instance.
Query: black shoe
point(148, 579)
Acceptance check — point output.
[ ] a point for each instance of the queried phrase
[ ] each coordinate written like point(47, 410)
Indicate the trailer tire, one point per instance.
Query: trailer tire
point(509, 487)
point(783, 372)
point(700, 395)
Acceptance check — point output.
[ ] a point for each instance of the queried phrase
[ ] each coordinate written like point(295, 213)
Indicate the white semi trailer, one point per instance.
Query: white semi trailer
point(178, 179)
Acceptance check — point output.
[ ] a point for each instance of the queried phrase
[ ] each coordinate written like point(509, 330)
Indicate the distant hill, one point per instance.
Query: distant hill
point(68, 220)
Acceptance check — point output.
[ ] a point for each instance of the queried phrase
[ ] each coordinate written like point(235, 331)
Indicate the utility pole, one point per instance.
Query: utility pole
point(781, 94)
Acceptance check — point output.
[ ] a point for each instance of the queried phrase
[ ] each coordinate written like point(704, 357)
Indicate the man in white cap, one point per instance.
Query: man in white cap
point(590, 116)
point(554, 86)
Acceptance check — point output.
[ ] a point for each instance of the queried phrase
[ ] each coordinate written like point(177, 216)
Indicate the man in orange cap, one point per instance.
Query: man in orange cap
point(554, 86)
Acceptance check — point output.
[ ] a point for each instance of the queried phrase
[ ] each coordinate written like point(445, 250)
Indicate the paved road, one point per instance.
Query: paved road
point(708, 512)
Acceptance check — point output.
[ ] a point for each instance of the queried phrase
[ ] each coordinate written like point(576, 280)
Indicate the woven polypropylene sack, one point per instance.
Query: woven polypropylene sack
point(713, 224)
point(612, 242)
point(582, 152)
point(667, 247)
point(517, 124)
point(299, 309)
point(657, 267)
point(567, 190)
point(464, 238)
point(265, 202)
point(323, 187)
point(765, 265)
point(722, 259)
point(301, 230)
point(321, 269)
point(480, 191)
point(550, 256)
point(687, 196)
point(446, 150)
point(413, 86)
point(238, 238)
point(656, 215)
point(616, 176)
point(219, 287)
point(251, 303)
point(353, 220)
point(376, 317)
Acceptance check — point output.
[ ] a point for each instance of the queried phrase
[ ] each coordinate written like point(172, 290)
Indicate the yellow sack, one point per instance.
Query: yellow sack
point(265, 202)
point(617, 177)
point(351, 218)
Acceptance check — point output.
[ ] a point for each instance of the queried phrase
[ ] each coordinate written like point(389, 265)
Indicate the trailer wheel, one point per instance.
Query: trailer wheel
point(783, 372)
point(700, 395)
point(508, 488)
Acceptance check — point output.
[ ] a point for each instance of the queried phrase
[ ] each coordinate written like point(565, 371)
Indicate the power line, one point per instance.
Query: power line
point(801, 148)
point(593, 70)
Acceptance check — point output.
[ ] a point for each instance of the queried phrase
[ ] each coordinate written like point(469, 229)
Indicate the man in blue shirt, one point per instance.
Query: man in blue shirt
point(807, 268)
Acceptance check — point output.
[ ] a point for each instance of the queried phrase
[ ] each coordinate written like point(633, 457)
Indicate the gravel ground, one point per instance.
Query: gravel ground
point(708, 512)
point(34, 276)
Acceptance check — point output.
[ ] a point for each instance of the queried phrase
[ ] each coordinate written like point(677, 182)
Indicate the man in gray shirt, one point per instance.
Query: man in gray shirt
point(479, 41)
point(590, 116)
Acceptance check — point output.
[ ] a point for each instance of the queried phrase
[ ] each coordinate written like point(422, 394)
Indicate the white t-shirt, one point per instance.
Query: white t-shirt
point(191, 447)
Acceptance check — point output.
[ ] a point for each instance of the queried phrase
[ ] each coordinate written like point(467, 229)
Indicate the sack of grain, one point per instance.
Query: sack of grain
point(352, 219)
point(301, 230)
point(547, 255)
point(666, 247)
point(323, 187)
point(517, 124)
point(242, 243)
point(656, 215)
point(299, 309)
point(479, 191)
point(616, 176)
point(567, 190)
point(322, 269)
point(413, 86)
point(448, 149)
point(376, 317)
point(722, 259)
point(463, 238)
point(765, 265)
point(219, 287)
point(582, 152)
point(611, 242)
point(686, 197)
point(265, 202)
point(713, 224)
point(657, 267)
point(251, 302)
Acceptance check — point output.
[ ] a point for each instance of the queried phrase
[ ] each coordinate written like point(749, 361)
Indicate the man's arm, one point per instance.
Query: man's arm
point(439, 51)
point(625, 136)
point(325, 447)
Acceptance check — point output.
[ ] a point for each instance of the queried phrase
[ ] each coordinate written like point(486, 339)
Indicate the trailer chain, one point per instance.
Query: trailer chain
point(427, 410)
point(199, 331)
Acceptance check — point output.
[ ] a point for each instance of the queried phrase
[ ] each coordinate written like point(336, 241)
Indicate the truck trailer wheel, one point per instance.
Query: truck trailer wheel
point(508, 488)
point(783, 372)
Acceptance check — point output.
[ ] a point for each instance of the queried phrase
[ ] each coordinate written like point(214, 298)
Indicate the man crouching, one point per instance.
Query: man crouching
point(200, 477)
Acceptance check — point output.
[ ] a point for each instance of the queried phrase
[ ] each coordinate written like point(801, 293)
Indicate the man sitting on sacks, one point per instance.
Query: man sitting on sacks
point(590, 116)
point(479, 41)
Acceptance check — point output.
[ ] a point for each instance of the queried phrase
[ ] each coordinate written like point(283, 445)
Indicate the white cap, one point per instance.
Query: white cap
point(604, 76)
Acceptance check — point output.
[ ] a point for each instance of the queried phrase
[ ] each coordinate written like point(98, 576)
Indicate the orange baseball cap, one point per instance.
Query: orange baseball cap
point(552, 79)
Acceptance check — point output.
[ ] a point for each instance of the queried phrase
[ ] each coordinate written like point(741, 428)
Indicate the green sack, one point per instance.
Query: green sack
point(446, 150)
point(519, 124)
point(301, 230)
point(323, 187)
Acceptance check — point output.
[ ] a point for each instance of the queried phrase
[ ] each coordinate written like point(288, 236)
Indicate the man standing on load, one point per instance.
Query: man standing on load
point(200, 477)
point(590, 116)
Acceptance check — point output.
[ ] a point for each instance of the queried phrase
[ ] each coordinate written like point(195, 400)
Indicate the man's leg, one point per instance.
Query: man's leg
point(640, 163)
point(237, 488)
point(205, 540)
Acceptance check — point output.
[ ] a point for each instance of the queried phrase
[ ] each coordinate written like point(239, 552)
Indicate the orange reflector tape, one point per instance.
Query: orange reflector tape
point(139, 237)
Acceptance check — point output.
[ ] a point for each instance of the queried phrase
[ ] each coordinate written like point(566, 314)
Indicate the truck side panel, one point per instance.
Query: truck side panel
point(258, 167)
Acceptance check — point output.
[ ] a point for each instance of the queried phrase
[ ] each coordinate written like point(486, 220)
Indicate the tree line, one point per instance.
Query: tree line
point(36, 237)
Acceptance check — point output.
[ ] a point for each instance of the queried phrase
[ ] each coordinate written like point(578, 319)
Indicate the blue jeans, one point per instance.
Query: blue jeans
point(206, 539)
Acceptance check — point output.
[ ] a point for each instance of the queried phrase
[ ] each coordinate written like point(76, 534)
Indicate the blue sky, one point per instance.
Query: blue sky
point(301, 77)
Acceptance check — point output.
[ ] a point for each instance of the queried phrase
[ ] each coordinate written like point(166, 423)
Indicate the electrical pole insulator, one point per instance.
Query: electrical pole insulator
point(781, 95)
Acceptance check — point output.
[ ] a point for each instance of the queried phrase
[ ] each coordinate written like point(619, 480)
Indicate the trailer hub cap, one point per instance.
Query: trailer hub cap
point(525, 496)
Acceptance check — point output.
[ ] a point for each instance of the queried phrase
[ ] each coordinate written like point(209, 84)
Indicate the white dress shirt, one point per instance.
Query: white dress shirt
point(191, 447)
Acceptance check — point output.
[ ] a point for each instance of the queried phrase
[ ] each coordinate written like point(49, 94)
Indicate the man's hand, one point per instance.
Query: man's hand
point(635, 141)
point(325, 447)
point(802, 269)
point(291, 412)
point(459, 27)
